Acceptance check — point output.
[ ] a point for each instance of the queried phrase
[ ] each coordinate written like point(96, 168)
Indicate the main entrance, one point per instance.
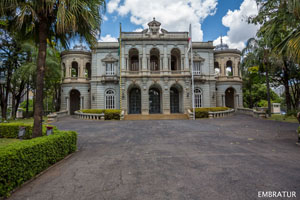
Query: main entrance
point(229, 98)
point(74, 101)
point(154, 101)
point(174, 100)
point(135, 101)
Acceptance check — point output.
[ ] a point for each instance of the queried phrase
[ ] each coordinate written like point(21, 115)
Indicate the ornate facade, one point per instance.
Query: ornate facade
point(155, 74)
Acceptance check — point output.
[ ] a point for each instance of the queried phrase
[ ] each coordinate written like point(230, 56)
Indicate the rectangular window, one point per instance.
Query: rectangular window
point(110, 102)
point(110, 69)
point(197, 68)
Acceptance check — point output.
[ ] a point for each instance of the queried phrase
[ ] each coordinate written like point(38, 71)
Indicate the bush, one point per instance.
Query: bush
point(20, 161)
point(203, 112)
point(109, 114)
point(11, 130)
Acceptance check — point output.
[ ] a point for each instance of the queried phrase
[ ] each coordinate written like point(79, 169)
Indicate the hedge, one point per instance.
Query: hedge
point(11, 130)
point(109, 114)
point(20, 161)
point(203, 112)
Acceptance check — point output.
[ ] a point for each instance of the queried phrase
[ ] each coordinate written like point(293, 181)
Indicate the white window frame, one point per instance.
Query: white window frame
point(110, 68)
point(197, 67)
point(198, 98)
point(110, 99)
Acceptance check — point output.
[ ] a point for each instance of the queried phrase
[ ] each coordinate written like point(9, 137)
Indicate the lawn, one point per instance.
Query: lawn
point(26, 121)
point(6, 141)
point(284, 118)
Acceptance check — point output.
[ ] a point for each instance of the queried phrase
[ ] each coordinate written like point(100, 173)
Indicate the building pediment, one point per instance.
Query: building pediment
point(109, 58)
point(197, 57)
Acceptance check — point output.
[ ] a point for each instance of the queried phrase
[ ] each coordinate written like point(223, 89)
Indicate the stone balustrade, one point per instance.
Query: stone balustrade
point(53, 117)
point(225, 113)
point(212, 115)
point(255, 113)
point(91, 116)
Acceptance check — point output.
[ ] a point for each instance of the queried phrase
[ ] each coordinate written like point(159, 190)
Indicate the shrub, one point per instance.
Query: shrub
point(11, 130)
point(109, 114)
point(20, 161)
point(203, 112)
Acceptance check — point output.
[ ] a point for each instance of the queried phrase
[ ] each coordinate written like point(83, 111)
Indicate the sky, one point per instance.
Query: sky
point(210, 19)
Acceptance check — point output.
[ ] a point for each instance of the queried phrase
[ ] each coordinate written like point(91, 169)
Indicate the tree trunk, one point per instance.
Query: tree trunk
point(286, 87)
point(13, 106)
point(268, 90)
point(41, 61)
point(27, 100)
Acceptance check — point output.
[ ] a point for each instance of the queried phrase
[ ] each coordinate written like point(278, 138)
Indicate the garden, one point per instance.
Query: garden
point(22, 157)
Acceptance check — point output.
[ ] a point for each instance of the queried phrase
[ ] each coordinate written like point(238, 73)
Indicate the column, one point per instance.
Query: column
point(186, 59)
point(165, 65)
point(123, 58)
point(223, 102)
point(144, 63)
point(68, 105)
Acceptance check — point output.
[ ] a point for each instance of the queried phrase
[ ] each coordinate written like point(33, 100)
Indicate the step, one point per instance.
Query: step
point(155, 116)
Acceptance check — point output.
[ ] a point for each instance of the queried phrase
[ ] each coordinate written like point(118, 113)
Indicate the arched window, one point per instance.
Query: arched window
point(229, 71)
point(198, 97)
point(74, 70)
point(88, 72)
point(175, 59)
point(217, 68)
point(154, 60)
point(110, 99)
point(64, 70)
point(134, 60)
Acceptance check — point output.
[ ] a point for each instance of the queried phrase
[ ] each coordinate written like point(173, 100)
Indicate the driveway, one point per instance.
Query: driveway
point(226, 158)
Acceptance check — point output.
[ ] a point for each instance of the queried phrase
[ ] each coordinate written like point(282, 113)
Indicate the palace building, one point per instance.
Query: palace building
point(149, 73)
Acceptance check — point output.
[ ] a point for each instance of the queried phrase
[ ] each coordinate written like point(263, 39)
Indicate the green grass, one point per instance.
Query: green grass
point(6, 141)
point(26, 121)
point(283, 118)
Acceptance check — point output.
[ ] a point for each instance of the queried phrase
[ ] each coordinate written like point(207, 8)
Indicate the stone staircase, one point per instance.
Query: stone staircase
point(155, 116)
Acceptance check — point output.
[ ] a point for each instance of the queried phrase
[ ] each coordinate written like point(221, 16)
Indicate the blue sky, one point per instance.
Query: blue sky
point(210, 18)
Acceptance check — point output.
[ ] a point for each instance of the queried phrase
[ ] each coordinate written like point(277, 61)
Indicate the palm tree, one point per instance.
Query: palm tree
point(46, 19)
point(257, 49)
point(292, 41)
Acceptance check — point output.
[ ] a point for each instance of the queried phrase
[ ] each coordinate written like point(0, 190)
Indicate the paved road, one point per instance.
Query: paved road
point(229, 158)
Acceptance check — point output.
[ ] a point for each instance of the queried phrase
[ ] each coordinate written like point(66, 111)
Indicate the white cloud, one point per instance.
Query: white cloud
point(138, 30)
point(108, 38)
point(175, 15)
point(239, 29)
point(239, 45)
point(112, 5)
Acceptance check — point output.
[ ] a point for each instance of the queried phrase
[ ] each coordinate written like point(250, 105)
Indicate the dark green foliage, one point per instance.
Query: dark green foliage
point(20, 161)
point(109, 114)
point(11, 130)
point(203, 112)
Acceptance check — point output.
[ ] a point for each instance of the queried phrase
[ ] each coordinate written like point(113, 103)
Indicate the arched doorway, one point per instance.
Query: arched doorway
point(154, 101)
point(135, 101)
point(74, 101)
point(229, 98)
point(174, 100)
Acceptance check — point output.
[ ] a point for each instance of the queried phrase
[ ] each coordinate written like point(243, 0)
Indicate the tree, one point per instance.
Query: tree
point(257, 53)
point(12, 57)
point(45, 19)
point(278, 19)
